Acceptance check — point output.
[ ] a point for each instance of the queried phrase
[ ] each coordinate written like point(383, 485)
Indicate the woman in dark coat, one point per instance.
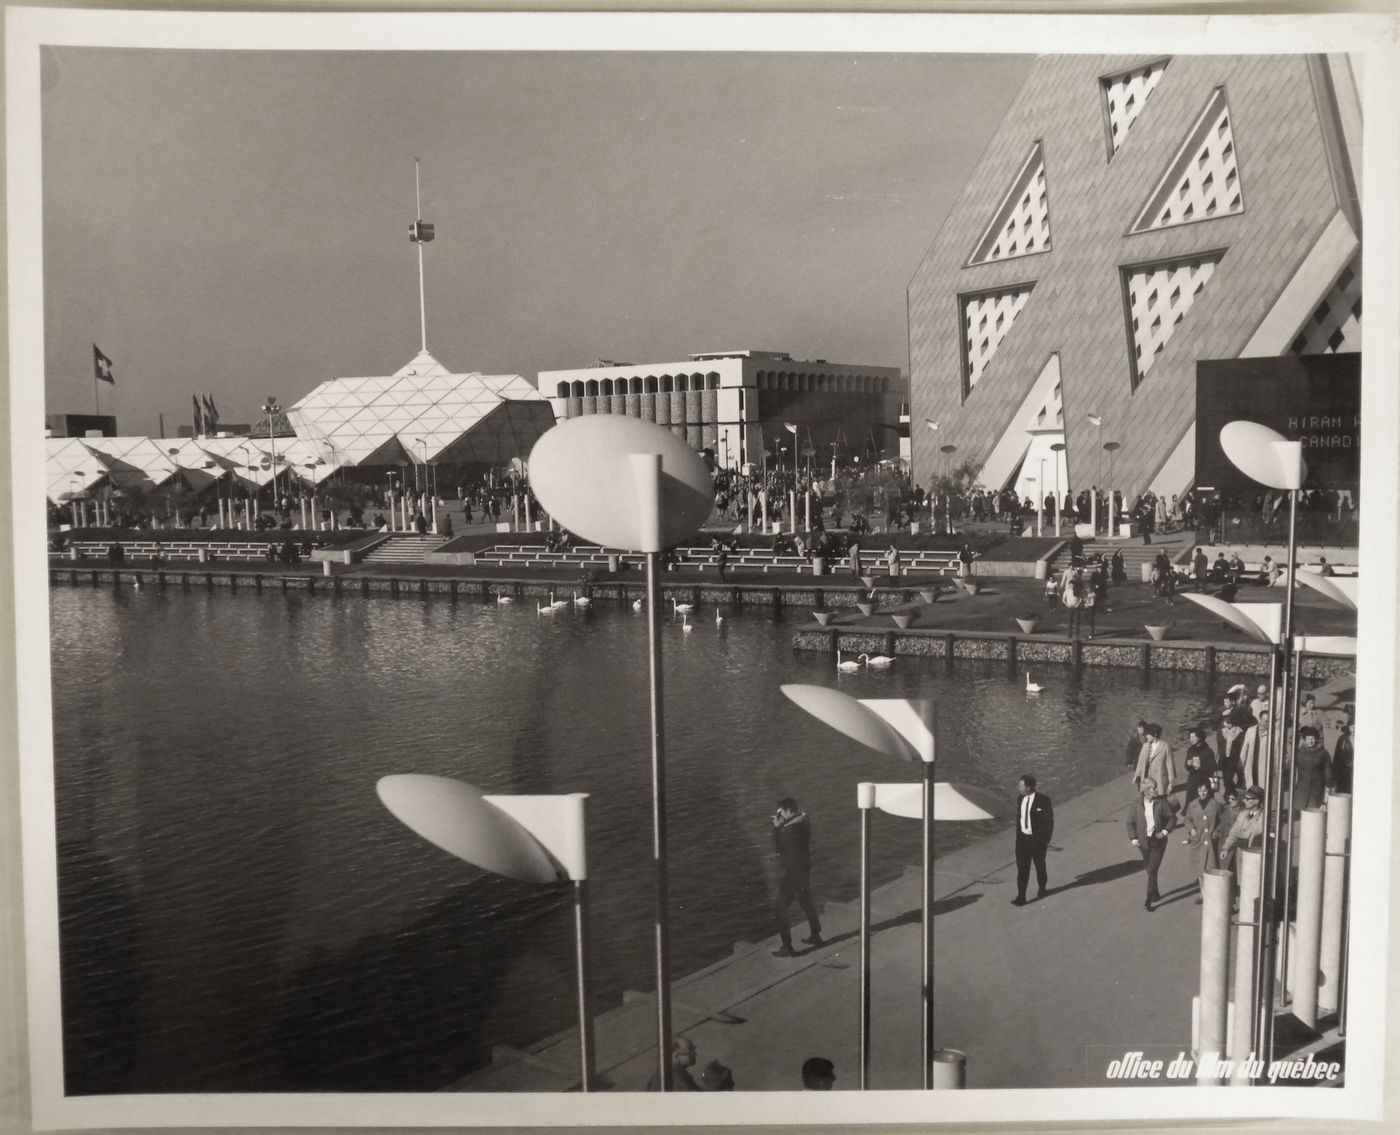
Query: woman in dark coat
point(1203, 834)
point(1312, 770)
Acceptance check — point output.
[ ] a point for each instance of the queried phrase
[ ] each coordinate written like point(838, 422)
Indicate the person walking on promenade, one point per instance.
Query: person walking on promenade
point(1199, 762)
point(1248, 829)
point(1118, 571)
point(1149, 825)
point(1343, 760)
point(1229, 743)
point(1072, 596)
point(792, 840)
point(965, 558)
point(682, 1060)
point(854, 548)
point(1260, 702)
point(1155, 762)
point(1202, 821)
point(1312, 770)
point(892, 561)
point(818, 1074)
point(1035, 824)
point(1254, 750)
point(1136, 740)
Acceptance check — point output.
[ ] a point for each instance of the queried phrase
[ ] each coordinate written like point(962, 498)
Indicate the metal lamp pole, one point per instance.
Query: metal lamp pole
point(1057, 448)
point(948, 451)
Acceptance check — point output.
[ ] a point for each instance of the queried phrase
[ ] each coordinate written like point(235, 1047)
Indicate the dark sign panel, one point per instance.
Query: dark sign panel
point(1315, 399)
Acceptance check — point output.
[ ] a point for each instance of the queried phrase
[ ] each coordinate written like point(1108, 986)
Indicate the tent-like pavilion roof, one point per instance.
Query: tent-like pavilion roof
point(71, 467)
point(134, 462)
point(423, 413)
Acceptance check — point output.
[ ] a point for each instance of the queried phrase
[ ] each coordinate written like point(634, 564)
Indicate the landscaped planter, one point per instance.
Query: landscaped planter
point(1158, 631)
point(928, 596)
point(902, 621)
point(868, 580)
point(971, 586)
point(866, 608)
point(1028, 626)
point(823, 617)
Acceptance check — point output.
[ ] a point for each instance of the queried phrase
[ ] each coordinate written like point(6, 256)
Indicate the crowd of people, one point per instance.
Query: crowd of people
point(1221, 781)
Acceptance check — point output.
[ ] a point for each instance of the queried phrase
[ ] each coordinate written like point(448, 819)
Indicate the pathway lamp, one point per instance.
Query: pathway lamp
point(903, 729)
point(1058, 448)
point(1111, 447)
point(536, 839)
point(1266, 456)
point(625, 483)
point(1096, 420)
point(270, 407)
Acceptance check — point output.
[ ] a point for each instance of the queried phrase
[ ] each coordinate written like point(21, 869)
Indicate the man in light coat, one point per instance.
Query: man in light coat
point(1155, 762)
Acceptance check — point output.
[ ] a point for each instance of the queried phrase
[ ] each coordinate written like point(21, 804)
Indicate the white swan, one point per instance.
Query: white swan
point(677, 608)
point(686, 626)
point(846, 667)
point(719, 619)
point(504, 599)
point(1031, 687)
point(582, 600)
point(636, 604)
point(556, 603)
point(880, 661)
point(546, 610)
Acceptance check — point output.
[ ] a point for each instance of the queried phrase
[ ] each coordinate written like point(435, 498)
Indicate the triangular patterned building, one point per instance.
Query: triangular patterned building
point(1203, 208)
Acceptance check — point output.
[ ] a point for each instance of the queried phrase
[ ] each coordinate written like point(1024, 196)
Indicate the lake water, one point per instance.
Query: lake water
point(240, 913)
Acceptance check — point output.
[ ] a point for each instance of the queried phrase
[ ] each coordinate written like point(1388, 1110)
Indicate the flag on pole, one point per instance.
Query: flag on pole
point(420, 232)
point(198, 416)
point(211, 415)
point(102, 366)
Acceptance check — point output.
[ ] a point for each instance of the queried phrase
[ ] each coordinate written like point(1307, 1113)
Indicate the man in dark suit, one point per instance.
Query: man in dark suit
point(1035, 823)
point(1150, 821)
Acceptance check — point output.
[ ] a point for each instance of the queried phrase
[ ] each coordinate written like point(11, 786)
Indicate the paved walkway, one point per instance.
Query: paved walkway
point(1043, 995)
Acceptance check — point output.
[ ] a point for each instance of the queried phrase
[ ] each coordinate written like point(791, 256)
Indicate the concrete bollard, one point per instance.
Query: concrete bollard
point(1215, 969)
point(327, 568)
point(1308, 925)
point(1334, 884)
point(949, 1069)
point(1249, 865)
point(202, 554)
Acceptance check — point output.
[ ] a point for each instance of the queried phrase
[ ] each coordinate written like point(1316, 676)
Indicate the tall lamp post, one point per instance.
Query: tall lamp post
point(625, 483)
point(1111, 447)
point(905, 730)
point(1097, 421)
point(270, 407)
point(1264, 455)
point(1058, 448)
point(536, 839)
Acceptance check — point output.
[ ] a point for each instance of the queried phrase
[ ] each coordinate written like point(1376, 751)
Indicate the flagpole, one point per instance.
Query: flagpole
point(422, 302)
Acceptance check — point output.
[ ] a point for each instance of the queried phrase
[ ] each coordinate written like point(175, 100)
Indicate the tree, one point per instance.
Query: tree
point(961, 481)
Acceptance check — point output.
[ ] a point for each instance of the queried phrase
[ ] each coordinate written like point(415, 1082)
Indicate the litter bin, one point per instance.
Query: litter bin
point(818, 565)
point(949, 1069)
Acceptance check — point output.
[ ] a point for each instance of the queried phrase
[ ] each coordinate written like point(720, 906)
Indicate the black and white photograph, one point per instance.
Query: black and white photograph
point(562, 560)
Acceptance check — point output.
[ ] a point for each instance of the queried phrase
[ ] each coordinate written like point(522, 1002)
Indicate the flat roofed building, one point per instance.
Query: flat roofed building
point(1131, 217)
point(737, 403)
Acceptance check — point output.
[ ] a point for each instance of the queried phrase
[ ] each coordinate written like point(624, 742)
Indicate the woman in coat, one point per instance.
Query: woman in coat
point(1203, 834)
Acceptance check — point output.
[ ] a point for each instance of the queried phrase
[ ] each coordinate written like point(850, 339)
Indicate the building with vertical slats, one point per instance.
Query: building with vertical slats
point(737, 404)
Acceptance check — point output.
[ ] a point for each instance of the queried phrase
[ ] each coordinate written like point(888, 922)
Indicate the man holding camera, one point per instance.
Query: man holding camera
point(792, 839)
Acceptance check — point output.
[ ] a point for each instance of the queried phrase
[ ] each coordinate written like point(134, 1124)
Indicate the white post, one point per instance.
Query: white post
point(1334, 882)
point(301, 500)
point(1057, 509)
point(763, 506)
point(1094, 509)
point(1249, 867)
point(1215, 971)
point(1311, 845)
point(792, 510)
point(807, 503)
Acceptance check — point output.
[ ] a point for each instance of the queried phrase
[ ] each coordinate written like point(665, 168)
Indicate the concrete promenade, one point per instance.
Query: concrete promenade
point(1043, 995)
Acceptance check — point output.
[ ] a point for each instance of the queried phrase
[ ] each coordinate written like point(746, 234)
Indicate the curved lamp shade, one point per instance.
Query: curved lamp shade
point(846, 715)
point(1264, 455)
point(594, 477)
point(912, 719)
point(1339, 590)
point(951, 802)
point(1232, 613)
point(457, 818)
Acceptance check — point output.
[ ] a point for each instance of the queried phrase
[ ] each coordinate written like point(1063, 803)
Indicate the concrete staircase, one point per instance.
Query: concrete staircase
point(1177, 545)
point(403, 549)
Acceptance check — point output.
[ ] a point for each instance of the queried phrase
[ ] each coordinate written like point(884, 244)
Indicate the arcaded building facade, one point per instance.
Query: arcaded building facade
point(736, 403)
point(1131, 217)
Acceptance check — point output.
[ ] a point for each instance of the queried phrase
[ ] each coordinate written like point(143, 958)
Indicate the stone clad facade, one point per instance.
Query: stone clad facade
point(1195, 207)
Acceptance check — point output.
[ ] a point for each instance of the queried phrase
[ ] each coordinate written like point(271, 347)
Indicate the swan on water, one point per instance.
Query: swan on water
point(677, 608)
point(582, 600)
point(879, 661)
point(546, 610)
point(719, 619)
point(504, 599)
point(1031, 687)
point(846, 667)
point(636, 604)
point(686, 626)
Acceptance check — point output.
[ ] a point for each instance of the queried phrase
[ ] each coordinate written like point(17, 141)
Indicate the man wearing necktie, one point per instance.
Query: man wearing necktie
point(1035, 823)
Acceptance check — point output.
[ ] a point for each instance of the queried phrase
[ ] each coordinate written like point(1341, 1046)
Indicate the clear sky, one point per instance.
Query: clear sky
point(237, 222)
